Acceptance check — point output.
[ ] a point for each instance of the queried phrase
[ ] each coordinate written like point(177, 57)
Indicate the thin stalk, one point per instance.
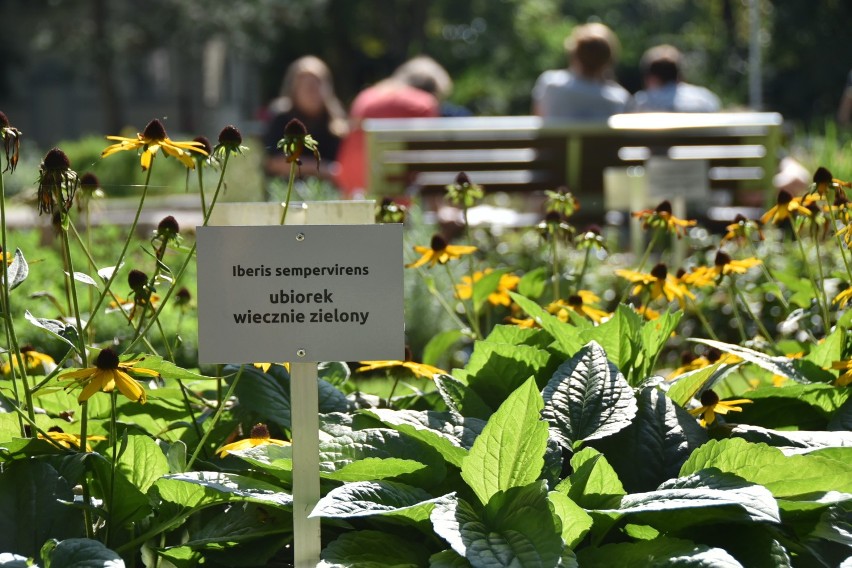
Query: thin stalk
point(837, 237)
point(474, 325)
point(215, 419)
point(699, 313)
point(557, 272)
point(579, 281)
point(738, 295)
point(739, 319)
point(200, 188)
point(290, 184)
point(767, 273)
point(124, 248)
point(113, 435)
point(471, 268)
point(818, 295)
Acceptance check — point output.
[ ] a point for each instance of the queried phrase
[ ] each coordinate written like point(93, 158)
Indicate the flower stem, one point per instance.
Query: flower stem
point(201, 188)
point(557, 272)
point(290, 184)
point(215, 419)
point(582, 273)
point(818, 296)
point(699, 313)
point(473, 324)
point(739, 295)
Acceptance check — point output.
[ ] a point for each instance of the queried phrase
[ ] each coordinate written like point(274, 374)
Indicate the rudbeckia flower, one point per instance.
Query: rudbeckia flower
point(843, 297)
point(579, 303)
point(657, 283)
point(742, 230)
point(662, 218)
point(711, 406)
point(439, 252)
point(690, 362)
point(499, 297)
point(698, 277)
point(150, 141)
point(259, 437)
point(109, 373)
point(66, 440)
point(421, 370)
point(723, 264)
point(35, 363)
point(296, 139)
point(845, 379)
point(463, 191)
point(784, 208)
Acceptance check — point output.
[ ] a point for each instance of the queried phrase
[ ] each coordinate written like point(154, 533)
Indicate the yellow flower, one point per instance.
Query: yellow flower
point(662, 218)
point(784, 208)
point(698, 277)
point(711, 406)
point(658, 283)
point(35, 363)
point(742, 230)
point(419, 369)
point(66, 440)
point(109, 373)
point(150, 141)
point(843, 297)
point(579, 303)
point(724, 264)
point(713, 355)
point(499, 297)
point(259, 437)
point(526, 323)
point(439, 252)
point(845, 379)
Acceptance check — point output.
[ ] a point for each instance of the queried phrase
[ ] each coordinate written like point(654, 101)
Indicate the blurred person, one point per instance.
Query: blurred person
point(585, 90)
point(665, 90)
point(307, 94)
point(414, 90)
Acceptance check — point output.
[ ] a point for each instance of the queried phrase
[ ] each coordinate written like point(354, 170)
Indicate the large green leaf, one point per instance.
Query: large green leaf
point(784, 476)
point(370, 469)
point(575, 521)
point(448, 559)
point(125, 502)
point(33, 507)
point(516, 528)
point(685, 386)
point(80, 553)
point(793, 438)
point(533, 283)
point(655, 335)
point(842, 419)
point(372, 549)
point(619, 337)
point(566, 335)
point(587, 398)
point(510, 450)
point(234, 525)
point(794, 406)
point(593, 484)
point(198, 489)
point(536, 337)
point(461, 399)
point(495, 370)
point(142, 462)
point(377, 498)
point(483, 287)
point(706, 497)
point(449, 435)
point(167, 369)
point(655, 445)
point(783, 366)
point(661, 552)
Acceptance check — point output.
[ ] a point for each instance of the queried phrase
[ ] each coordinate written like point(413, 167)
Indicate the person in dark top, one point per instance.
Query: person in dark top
point(307, 93)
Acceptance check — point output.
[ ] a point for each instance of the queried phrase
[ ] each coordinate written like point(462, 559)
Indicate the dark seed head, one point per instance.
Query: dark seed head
point(660, 271)
point(56, 161)
point(713, 355)
point(107, 360)
point(89, 181)
point(594, 229)
point(154, 131)
point(137, 279)
point(438, 243)
point(822, 176)
point(739, 219)
point(183, 296)
point(260, 432)
point(664, 207)
point(205, 144)
point(27, 349)
point(722, 258)
point(709, 398)
point(784, 197)
point(295, 128)
point(575, 300)
point(553, 217)
point(462, 179)
point(4, 121)
point(230, 137)
point(168, 227)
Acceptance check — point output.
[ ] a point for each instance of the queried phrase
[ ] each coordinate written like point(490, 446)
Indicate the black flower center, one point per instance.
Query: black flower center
point(260, 431)
point(784, 197)
point(168, 226)
point(230, 136)
point(295, 128)
point(709, 398)
point(660, 272)
point(664, 207)
point(4, 121)
point(154, 131)
point(205, 142)
point(462, 179)
point(137, 279)
point(722, 258)
point(89, 181)
point(575, 300)
point(822, 176)
point(107, 360)
point(56, 161)
point(438, 243)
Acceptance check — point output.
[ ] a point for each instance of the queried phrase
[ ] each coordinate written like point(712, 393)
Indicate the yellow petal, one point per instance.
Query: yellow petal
point(129, 387)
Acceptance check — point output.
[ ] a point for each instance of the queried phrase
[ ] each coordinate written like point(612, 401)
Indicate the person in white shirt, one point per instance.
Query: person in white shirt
point(584, 91)
point(665, 90)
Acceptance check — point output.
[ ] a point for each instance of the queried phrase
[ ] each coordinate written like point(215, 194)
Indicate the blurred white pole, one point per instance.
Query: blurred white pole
point(755, 71)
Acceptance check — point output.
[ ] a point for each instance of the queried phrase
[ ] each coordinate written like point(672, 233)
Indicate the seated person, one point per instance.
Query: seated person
point(584, 91)
point(665, 90)
point(307, 93)
point(412, 91)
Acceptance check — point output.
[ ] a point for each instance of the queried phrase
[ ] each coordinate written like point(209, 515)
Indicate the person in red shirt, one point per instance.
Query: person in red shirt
point(414, 90)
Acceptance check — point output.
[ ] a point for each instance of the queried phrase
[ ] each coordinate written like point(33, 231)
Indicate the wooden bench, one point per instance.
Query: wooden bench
point(528, 154)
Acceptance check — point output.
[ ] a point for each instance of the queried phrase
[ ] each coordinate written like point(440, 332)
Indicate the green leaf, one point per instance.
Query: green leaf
point(662, 552)
point(125, 501)
point(655, 336)
point(685, 386)
point(783, 366)
point(33, 509)
point(795, 406)
point(235, 525)
point(390, 500)
point(516, 528)
point(495, 370)
point(81, 553)
point(619, 337)
point(655, 445)
point(566, 335)
point(460, 398)
point(533, 283)
point(197, 489)
point(784, 476)
point(167, 369)
point(515, 335)
point(575, 521)
point(371, 469)
point(587, 398)
point(276, 461)
point(842, 419)
point(510, 450)
point(176, 457)
point(18, 270)
point(486, 285)
point(593, 484)
point(142, 462)
point(62, 331)
point(84, 279)
point(450, 437)
point(448, 559)
point(792, 438)
point(372, 549)
point(436, 350)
